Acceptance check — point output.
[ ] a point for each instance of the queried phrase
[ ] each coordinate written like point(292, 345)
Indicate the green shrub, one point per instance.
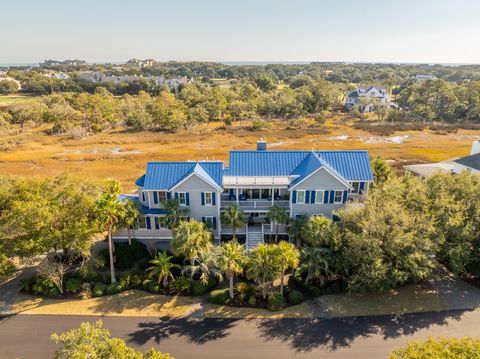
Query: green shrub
point(113, 288)
point(42, 286)
point(219, 296)
point(212, 283)
point(295, 297)
point(127, 256)
point(73, 285)
point(275, 302)
point(135, 281)
point(125, 280)
point(27, 283)
point(181, 285)
point(146, 283)
point(53, 292)
point(440, 348)
point(153, 287)
point(252, 301)
point(99, 289)
point(198, 288)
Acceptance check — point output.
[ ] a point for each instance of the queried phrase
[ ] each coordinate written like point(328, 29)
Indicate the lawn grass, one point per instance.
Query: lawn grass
point(34, 152)
point(409, 299)
point(12, 99)
point(225, 312)
point(131, 303)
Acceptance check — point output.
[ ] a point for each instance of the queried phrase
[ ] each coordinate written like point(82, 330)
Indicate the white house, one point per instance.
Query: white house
point(304, 183)
point(378, 95)
point(469, 163)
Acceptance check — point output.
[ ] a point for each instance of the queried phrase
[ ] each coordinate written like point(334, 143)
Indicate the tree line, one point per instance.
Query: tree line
point(195, 104)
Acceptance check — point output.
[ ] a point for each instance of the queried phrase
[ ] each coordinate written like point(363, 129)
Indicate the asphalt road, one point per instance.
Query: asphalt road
point(27, 336)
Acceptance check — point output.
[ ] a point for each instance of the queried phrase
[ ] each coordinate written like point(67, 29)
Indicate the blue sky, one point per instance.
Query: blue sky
point(443, 31)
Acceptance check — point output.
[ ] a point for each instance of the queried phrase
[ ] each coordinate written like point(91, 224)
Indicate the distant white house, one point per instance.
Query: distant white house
point(362, 94)
point(424, 77)
point(469, 163)
point(56, 75)
point(100, 77)
point(141, 63)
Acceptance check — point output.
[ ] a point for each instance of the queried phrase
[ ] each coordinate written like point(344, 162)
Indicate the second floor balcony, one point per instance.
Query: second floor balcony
point(256, 204)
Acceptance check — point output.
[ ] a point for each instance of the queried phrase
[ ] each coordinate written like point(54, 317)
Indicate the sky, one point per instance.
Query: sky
point(416, 31)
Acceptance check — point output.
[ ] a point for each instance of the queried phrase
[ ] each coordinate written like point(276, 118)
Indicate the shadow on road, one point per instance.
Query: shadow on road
point(334, 333)
point(198, 331)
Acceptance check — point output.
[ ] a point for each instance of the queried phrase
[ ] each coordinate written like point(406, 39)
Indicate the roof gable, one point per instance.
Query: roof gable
point(166, 175)
point(472, 161)
point(351, 165)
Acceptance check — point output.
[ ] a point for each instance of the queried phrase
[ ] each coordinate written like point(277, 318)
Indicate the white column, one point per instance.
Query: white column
point(273, 195)
point(236, 196)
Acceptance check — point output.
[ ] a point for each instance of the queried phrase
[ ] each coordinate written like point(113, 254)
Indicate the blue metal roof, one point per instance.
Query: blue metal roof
point(165, 175)
point(143, 209)
point(351, 165)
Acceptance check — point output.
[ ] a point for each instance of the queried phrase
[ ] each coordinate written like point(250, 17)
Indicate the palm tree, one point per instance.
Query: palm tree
point(174, 213)
point(206, 261)
point(278, 215)
point(232, 258)
point(288, 257)
point(111, 212)
point(295, 229)
point(320, 231)
point(189, 238)
point(131, 215)
point(234, 217)
point(315, 262)
point(263, 266)
point(162, 268)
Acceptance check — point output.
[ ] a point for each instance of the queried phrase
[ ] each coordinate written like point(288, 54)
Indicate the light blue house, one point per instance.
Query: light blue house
point(303, 182)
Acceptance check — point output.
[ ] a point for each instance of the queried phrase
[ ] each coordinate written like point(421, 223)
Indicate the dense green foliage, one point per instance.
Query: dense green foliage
point(219, 296)
point(92, 341)
point(447, 348)
point(295, 297)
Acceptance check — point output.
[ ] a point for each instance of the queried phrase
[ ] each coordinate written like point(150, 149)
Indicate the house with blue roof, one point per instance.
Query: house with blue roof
point(305, 183)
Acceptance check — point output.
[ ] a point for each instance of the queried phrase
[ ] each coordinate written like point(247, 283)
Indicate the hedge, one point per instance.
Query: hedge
point(99, 289)
point(295, 297)
point(219, 296)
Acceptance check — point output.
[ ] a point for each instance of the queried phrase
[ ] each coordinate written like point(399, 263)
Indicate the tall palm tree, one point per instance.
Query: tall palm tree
point(174, 213)
point(278, 215)
point(189, 238)
point(206, 264)
point(234, 217)
point(232, 258)
point(131, 215)
point(263, 266)
point(162, 268)
point(288, 257)
point(315, 262)
point(111, 212)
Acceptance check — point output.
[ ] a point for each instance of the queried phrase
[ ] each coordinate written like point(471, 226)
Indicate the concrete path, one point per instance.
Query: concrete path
point(454, 291)
point(10, 289)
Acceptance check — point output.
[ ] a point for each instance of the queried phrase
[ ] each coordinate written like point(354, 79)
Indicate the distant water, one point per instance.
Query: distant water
point(20, 64)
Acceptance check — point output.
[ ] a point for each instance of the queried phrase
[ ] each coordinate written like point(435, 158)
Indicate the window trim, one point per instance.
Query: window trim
point(335, 197)
point(303, 199)
point(144, 197)
point(319, 199)
point(184, 198)
point(353, 191)
point(211, 199)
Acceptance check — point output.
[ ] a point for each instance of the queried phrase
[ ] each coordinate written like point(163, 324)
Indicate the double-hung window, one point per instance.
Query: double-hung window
point(162, 196)
point(208, 199)
point(338, 197)
point(300, 197)
point(182, 198)
point(319, 196)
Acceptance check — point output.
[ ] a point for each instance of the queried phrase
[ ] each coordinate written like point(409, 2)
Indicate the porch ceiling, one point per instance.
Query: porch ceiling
point(267, 181)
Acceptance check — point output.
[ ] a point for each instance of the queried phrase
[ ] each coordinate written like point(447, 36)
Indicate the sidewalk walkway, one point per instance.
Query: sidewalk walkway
point(454, 291)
